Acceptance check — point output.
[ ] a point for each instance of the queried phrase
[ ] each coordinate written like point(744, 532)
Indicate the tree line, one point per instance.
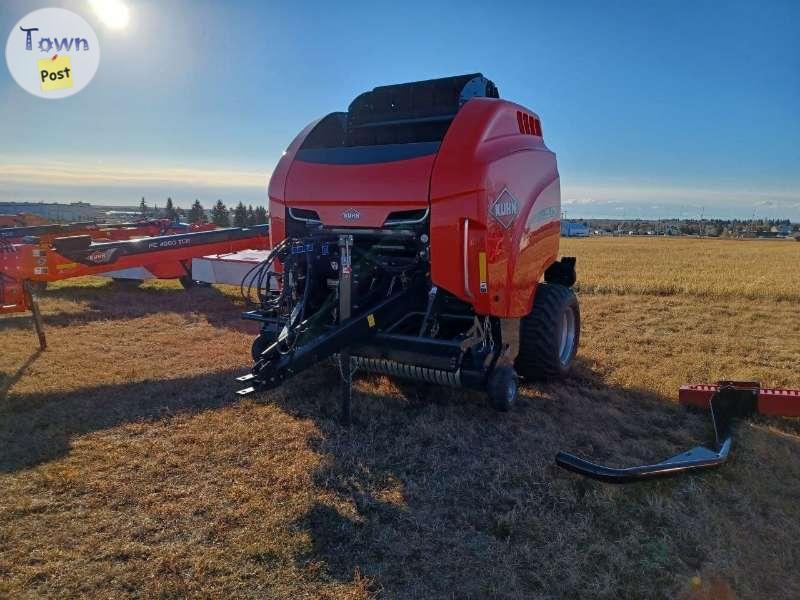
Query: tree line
point(221, 215)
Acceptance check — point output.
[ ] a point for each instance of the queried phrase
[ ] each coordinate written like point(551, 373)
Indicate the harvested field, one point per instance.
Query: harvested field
point(129, 468)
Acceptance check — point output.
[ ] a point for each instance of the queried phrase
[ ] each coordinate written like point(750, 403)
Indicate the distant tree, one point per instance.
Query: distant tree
point(197, 214)
point(251, 217)
point(261, 215)
point(143, 207)
point(240, 216)
point(219, 215)
point(169, 211)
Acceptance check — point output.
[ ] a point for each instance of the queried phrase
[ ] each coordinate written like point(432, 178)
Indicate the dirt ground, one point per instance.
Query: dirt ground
point(129, 468)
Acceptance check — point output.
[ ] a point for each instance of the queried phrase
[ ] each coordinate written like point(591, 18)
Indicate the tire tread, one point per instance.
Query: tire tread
point(538, 356)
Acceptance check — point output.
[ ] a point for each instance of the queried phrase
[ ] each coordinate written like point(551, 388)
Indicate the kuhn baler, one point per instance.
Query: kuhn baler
point(416, 235)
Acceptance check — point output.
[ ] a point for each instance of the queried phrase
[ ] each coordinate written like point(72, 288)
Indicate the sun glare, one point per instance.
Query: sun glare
point(113, 13)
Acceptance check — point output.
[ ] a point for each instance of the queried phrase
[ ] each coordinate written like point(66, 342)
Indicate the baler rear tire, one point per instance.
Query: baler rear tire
point(549, 335)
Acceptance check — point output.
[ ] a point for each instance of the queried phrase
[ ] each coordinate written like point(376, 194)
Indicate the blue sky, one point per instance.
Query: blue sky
point(654, 108)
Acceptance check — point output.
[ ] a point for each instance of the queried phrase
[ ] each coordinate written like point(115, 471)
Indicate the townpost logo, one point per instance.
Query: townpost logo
point(52, 53)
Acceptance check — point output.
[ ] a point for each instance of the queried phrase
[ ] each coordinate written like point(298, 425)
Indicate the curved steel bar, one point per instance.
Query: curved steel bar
point(691, 460)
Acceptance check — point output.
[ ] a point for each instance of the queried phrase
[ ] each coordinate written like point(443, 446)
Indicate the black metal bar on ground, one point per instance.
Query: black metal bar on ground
point(695, 459)
point(727, 404)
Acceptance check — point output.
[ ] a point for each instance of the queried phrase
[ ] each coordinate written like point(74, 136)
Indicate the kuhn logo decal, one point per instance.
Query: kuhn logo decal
point(102, 257)
point(351, 214)
point(505, 209)
point(98, 256)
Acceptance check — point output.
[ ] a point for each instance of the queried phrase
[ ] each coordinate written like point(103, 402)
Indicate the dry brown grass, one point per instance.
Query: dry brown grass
point(129, 468)
point(705, 268)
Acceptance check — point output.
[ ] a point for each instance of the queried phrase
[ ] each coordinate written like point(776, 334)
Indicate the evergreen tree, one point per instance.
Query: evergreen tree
point(170, 212)
point(143, 207)
point(251, 217)
point(197, 214)
point(261, 215)
point(219, 215)
point(240, 216)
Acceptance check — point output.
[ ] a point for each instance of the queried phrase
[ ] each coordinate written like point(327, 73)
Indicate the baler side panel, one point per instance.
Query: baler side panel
point(483, 155)
point(538, 238)
point(276, 188)
point(519, 254)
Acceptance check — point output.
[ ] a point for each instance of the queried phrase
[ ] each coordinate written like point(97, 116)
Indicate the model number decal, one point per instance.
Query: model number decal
point(170, 243)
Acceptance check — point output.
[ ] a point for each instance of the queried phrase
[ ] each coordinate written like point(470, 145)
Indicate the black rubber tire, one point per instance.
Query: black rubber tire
point(127, 284)
point(188, 283)
point(502, 388)
point(540, 334)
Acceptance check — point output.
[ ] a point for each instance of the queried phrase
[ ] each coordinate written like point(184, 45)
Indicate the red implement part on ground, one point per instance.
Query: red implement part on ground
point(164, 256)
point(771, 401)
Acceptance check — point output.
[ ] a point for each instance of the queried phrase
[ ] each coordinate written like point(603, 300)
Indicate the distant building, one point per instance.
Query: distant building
point(569, 229)
point(55, 212)
point(781, 229)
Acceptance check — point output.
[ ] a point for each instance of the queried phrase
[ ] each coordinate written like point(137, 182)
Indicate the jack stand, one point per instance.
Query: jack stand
point(38, 324)
point(345, 306)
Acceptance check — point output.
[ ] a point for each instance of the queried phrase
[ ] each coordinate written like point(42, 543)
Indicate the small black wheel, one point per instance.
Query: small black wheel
point(127, 284)
point(187, 282)
point(502, 388)
point(260, 344)
point(549, 335)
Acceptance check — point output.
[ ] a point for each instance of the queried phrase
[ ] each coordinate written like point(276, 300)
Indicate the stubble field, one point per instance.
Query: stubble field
point(129, 468)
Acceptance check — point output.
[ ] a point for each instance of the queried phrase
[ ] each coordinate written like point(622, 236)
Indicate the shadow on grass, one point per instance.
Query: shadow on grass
point(431, 493)
point(117, 300)
point(436, 495)
point(7, 380)
point(38, 428)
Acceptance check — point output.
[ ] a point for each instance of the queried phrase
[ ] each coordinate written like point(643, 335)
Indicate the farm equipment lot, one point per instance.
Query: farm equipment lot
point(130, 467)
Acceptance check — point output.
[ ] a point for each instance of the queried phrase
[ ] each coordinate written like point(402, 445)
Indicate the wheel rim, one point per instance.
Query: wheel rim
point(567, 343)
point(510, 392)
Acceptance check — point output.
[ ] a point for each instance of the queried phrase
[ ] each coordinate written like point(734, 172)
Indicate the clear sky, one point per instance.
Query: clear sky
point(654, 108)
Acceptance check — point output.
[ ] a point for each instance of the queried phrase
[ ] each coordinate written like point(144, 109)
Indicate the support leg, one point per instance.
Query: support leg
point(345, 306)
point(38, 325)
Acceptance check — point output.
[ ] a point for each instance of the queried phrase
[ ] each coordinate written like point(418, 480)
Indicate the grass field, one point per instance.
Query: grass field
point(129, 468)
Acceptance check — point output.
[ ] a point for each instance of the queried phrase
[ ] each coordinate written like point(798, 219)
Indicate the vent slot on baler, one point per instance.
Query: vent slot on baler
point(409, 113)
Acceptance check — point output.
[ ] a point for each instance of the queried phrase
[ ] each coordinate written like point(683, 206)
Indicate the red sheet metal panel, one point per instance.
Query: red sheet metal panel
point(771, 401)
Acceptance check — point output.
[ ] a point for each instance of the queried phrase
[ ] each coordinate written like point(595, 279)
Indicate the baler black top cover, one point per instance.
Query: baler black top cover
point(406, 113)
